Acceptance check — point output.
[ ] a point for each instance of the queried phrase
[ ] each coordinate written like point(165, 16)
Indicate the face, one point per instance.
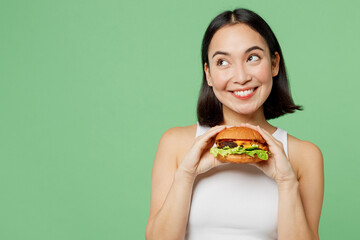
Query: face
point(241, 68)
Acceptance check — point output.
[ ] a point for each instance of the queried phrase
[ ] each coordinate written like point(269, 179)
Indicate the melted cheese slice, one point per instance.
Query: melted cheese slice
point(245, 144)
point(248, 144)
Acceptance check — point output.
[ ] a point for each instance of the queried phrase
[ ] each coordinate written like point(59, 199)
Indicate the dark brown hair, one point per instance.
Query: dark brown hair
point(279, 102)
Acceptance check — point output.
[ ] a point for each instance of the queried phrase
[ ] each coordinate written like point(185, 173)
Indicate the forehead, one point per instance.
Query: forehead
point(236, 38)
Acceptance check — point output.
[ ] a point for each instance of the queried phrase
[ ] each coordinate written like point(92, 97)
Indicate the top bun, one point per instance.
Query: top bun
point(243, 133)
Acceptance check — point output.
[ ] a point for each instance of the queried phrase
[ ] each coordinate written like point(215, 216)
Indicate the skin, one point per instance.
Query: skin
point(181, 157)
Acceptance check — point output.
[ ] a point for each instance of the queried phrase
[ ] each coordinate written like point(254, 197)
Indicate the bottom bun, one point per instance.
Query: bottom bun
point(238, 158)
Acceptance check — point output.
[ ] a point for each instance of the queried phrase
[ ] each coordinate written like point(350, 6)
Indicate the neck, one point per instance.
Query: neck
point(257, 118)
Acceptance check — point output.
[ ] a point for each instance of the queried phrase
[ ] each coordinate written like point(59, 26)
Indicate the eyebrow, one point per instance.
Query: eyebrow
point(228, 54)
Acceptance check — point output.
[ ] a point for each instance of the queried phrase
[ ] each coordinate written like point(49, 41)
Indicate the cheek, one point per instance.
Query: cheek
point(263, 74)
point(221, 77)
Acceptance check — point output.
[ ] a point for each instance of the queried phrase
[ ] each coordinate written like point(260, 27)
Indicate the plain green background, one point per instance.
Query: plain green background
point(87, 88)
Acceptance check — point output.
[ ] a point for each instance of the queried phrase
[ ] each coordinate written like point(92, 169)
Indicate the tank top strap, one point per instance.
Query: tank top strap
point(282, 136)
point(200, 130)
point(279, 134)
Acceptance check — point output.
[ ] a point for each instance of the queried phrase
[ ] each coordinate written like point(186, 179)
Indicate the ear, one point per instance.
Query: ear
point(207, 73)
point(275, 60)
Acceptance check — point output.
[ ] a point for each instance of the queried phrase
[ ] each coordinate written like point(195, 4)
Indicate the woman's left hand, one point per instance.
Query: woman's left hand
point(278, 165)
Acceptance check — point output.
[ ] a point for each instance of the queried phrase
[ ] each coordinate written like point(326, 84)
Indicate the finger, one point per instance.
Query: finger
point(212, 131)
point(267, 136)
point(210, 139)
point(204, 138)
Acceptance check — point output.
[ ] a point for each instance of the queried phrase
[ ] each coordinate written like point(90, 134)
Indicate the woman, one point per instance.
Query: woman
point(193, 195)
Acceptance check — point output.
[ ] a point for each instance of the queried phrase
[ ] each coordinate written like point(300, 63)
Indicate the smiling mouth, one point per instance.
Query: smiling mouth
point(244, 93)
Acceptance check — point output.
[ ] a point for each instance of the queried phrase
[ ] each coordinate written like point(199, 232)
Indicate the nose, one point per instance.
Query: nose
point(241, 75)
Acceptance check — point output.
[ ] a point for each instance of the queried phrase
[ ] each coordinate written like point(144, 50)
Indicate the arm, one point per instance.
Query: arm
point(300, 201)
point(171, 186)
point(170, 194)
point(301, 193)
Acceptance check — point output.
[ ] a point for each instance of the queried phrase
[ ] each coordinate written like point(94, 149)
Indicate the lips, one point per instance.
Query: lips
point(244, 93)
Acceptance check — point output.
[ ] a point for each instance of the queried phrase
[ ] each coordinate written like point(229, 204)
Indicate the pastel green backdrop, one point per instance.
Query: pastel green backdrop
point(88, 87)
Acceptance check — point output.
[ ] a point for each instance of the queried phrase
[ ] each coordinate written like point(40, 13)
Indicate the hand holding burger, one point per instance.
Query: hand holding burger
point(277, 166)
point(198, 159)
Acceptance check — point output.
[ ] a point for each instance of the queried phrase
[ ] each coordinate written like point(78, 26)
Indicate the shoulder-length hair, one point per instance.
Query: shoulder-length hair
point(279, 102)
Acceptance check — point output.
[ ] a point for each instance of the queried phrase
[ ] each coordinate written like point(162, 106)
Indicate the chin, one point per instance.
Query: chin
point(245, 110)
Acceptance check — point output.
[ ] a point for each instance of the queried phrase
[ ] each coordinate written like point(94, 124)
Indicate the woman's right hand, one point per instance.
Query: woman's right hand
point(199, 159)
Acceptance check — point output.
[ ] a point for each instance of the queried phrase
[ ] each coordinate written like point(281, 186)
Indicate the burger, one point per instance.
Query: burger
point(240, 145)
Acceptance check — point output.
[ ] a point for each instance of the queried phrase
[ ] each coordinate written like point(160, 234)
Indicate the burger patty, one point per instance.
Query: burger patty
point(242, 143)
point(227, 143)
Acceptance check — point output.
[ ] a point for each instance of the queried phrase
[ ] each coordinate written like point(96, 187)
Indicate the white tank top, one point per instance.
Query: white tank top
point(234, 201)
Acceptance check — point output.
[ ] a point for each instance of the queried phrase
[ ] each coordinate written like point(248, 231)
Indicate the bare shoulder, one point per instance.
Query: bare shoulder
point(178, 140)
point(301, 147)
point(179, 135)
point(169, 149)
point(304, 155)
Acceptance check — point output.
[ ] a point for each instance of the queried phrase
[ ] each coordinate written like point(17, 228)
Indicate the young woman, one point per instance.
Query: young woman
point(195, 196)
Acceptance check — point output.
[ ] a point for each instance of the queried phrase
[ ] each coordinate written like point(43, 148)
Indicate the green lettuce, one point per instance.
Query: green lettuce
point(262, 154)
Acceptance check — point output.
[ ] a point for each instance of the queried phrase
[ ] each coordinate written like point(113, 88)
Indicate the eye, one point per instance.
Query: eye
point(253, 58)
point(220, 61)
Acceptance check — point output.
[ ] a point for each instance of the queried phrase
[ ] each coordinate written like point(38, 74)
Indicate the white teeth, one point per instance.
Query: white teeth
point(243, 93)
